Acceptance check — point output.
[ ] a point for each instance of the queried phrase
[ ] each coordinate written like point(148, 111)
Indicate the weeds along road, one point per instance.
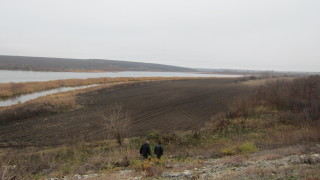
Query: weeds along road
point(166, 106)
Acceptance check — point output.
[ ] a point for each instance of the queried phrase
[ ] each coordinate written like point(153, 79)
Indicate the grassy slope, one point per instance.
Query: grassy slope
point(261, 144)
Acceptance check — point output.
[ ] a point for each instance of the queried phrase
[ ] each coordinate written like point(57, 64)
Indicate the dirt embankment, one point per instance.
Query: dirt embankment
point(165, 106)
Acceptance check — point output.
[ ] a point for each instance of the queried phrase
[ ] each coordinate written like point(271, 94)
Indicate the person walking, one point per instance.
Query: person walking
point(158, 150)
point(145, 150)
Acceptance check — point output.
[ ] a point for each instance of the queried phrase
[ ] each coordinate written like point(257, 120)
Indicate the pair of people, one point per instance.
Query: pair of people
point(145, 150)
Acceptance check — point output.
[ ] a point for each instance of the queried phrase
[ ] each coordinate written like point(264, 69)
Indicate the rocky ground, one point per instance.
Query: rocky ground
point(285, 163)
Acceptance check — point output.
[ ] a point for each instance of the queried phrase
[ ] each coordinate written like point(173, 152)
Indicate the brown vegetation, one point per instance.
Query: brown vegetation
point(287, 111)
point(298, 100)
point(33, 163)
point(51, 104)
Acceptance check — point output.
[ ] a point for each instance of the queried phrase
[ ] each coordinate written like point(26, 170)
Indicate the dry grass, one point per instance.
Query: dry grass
point(258, 82)
point(44, 105)
point(82, 158)
point(184, 150)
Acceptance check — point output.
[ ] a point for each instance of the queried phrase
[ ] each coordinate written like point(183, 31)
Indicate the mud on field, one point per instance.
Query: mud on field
point(166, 106)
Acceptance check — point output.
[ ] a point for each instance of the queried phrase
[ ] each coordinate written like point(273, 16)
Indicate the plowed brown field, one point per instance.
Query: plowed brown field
point(166, 106)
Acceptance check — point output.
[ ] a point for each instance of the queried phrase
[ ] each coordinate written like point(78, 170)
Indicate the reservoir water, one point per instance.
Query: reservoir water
point(7, 76)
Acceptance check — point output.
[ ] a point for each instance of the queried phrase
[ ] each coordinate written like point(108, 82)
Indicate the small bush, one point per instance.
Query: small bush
point(248, 147)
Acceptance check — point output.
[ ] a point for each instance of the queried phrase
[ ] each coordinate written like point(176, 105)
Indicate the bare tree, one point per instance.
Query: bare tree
point(117, 122)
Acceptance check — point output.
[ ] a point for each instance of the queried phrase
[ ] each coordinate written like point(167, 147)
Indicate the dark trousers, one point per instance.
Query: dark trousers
point(145, 156)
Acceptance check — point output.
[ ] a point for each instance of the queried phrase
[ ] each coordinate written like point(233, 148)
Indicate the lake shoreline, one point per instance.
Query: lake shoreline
point(15, 90)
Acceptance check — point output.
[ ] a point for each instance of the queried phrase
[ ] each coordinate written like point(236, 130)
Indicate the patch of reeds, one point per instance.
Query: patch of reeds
point(41, 106)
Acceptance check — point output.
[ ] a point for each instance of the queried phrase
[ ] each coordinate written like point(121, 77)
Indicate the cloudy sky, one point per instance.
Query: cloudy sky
point(242, 34)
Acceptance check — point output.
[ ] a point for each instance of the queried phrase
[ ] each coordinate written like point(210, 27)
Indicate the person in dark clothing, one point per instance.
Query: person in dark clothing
point(145, 150)
point(158, 150)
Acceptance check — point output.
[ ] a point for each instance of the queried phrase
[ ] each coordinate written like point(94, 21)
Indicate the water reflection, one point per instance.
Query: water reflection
point(7, 76)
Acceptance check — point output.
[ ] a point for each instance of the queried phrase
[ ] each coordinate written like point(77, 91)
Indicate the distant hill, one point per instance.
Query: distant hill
point(264, 73)
point(64, 64)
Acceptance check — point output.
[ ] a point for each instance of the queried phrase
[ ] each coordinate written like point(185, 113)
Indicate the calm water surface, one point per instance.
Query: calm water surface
point(7, 76)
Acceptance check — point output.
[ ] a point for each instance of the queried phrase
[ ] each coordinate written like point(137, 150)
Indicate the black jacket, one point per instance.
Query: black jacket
point(145, 149)
point(158, 150)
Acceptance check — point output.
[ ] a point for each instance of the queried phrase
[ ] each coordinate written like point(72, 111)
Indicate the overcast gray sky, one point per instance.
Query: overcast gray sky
point(242, 34)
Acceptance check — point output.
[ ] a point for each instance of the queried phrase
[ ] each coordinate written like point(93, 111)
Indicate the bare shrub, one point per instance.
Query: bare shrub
point(117, 122)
